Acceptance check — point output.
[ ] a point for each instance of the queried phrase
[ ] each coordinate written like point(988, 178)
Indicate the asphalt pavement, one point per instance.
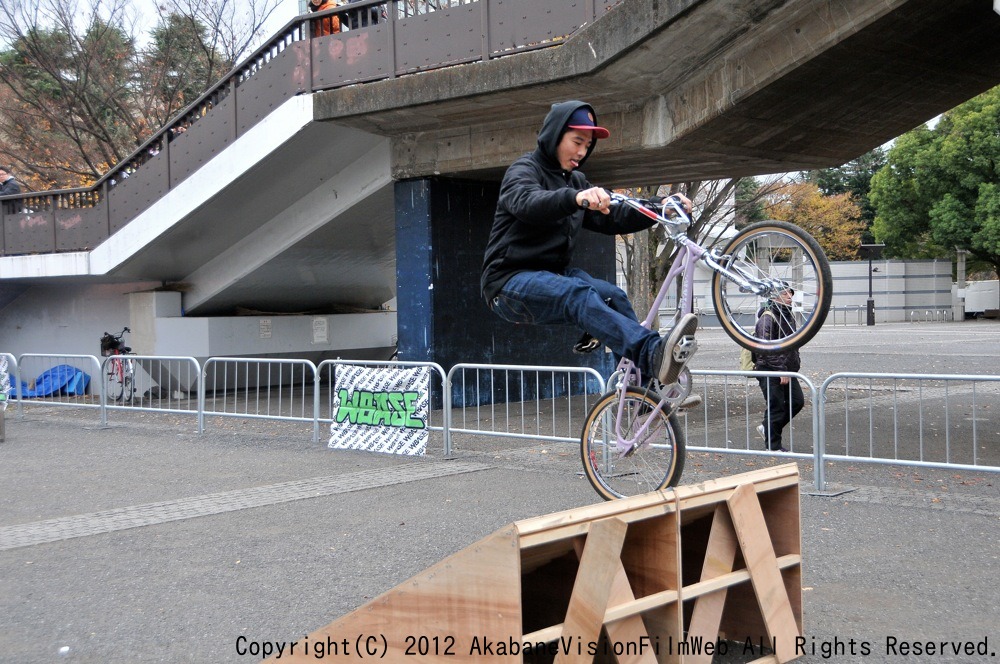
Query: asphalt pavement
point(144, 541)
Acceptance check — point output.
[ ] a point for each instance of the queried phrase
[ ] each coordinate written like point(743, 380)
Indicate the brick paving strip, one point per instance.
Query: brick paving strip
point(929, 499)
point(557, 457)
point(95, 523)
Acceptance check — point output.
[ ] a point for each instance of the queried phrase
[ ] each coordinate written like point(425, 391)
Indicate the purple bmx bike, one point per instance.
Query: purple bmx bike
point(632, 442)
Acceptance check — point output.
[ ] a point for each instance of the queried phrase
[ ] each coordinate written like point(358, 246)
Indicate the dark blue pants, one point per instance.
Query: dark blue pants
point(783, 403)
point(591, 304)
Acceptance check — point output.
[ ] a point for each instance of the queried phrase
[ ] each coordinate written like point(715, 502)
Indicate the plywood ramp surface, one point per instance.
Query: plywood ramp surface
point(644, 580)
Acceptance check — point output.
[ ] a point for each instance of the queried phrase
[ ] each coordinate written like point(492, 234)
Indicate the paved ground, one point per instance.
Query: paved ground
point(145, 542)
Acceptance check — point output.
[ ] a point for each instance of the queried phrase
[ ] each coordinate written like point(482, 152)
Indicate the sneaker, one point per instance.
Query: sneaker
point(586, 344)
point(677, 348)
point(761, 432)
point(776, 449)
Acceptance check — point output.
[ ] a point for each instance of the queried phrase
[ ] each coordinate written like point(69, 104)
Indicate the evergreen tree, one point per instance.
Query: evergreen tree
point(940, 189)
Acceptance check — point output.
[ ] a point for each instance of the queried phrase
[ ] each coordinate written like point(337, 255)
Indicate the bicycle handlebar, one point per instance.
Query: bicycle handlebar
point(119, 335)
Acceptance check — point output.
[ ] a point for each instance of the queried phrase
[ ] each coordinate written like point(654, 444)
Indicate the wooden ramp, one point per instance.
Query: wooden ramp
point(663, 577)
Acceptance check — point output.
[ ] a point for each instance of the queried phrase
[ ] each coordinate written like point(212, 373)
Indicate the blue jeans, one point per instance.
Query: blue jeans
point(593, 305)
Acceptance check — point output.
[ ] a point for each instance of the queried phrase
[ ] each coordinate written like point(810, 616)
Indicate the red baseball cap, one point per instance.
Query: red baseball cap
point(583, 118)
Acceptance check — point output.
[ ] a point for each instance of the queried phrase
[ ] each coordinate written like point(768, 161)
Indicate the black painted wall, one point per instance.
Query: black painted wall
point(442, 226)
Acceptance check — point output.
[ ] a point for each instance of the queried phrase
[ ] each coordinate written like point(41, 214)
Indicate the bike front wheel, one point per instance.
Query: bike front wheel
point(770, 255)
point(630, 445)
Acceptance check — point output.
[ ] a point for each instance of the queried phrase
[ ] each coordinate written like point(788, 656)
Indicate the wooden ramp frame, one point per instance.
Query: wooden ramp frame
point(662, 577)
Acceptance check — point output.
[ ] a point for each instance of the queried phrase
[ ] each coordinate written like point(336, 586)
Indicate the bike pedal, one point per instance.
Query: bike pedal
point(685, 348)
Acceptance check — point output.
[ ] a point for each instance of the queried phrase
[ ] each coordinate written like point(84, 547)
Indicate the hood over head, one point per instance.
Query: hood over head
point(557, 123)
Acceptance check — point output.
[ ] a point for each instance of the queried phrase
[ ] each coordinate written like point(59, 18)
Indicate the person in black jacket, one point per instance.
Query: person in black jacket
point(783, 394)
point(9, 187)
point(544, 203)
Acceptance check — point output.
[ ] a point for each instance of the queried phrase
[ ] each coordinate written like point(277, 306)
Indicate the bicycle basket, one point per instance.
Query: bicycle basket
point(109, 345)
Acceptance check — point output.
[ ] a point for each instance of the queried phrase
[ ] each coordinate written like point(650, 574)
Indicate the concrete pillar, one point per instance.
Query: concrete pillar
point(144, 308)
point(442, 226)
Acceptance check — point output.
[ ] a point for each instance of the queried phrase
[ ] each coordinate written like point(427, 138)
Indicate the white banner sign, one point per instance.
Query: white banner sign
point(380, 409)
point(4, 383)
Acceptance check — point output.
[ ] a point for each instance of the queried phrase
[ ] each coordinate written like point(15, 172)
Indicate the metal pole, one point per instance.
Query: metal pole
point(871, 299)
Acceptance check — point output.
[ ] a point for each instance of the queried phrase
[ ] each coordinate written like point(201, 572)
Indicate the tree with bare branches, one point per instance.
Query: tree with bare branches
point(81, 86)
point(719, 205)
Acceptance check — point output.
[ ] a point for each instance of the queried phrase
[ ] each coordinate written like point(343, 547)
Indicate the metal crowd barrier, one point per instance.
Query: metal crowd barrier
point(255, 388)
point(520, 401)
point(927, 420)
point(55, 375)
point(160, 384)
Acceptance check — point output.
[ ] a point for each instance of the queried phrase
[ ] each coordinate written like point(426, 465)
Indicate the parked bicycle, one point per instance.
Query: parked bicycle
point(632, 441)
point(118, 371)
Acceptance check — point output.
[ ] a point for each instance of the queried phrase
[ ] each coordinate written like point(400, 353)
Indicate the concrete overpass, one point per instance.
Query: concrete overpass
point(283, 197)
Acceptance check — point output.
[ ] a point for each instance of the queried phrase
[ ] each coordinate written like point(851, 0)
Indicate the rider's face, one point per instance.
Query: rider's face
point(573, 148)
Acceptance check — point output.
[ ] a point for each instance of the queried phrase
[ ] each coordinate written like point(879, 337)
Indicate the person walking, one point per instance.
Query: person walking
point(783, 394)
point(545, 202)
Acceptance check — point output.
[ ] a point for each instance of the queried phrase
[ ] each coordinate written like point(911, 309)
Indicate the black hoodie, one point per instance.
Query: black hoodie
point(537, 218)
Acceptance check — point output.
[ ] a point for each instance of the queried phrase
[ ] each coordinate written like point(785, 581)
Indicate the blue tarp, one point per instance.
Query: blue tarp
point(61, 379)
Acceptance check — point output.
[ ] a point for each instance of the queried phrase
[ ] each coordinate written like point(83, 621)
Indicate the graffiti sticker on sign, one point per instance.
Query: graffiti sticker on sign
point(379, 409)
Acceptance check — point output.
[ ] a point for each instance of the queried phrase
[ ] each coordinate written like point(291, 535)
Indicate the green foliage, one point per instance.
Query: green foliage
point(852, 178)
point(80, 89)
point(181, 62)
point(750, 206)
point(939, 189)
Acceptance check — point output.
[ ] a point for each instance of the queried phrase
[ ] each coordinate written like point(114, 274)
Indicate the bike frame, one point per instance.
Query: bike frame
point(119, 366)
point(687, 256)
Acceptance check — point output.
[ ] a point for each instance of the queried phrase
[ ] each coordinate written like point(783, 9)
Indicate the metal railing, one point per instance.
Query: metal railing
point(928, 420)
point(742, 406)
point(57, 380)
point(412, 36)
point(158, 383)
point(254, 388)
point(521, 401)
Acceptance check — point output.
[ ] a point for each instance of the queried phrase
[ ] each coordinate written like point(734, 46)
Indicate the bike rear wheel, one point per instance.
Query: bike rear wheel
point(656, 459)
point(118, 380)
point(767, 254)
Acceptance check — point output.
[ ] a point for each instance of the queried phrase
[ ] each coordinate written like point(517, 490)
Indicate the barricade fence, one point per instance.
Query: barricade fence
point(56, 380)
point(520, 401)
point(941, 421)
point(929, 420)
point(152, 383)
point(253, 388)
